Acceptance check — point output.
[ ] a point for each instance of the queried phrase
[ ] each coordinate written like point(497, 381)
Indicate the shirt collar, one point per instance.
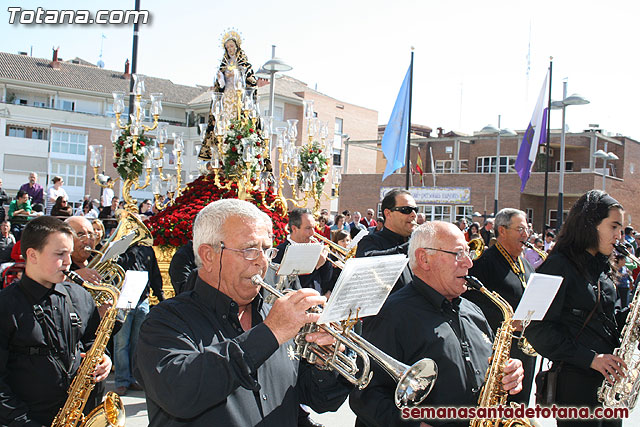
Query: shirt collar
point(393, 236)
point(221, 303)
point(35, 290)
point(434, 297)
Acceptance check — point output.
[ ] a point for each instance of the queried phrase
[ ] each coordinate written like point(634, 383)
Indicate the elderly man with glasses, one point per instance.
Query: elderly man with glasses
point(83, 243)
point(216, 355)
point(452, 331)
point(503, 269)
point(399, 210)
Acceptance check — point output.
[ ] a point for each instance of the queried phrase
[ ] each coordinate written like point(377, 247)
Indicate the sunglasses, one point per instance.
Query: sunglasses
point(406, 210)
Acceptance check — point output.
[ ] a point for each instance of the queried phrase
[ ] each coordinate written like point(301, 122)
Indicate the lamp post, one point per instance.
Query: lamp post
point(270, 68)
point(574, 99)
point(601, 154)
point(492, 130)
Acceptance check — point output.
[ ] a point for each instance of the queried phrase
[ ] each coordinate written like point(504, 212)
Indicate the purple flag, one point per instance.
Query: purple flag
point(535, 136)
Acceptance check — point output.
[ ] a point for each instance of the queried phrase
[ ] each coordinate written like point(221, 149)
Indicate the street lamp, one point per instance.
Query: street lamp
point(601, 154)
point(574, 99)
point(492, 130)
point(271, 67)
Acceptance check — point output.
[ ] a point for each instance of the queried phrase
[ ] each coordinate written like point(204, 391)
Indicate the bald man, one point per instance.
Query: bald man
point(83, 242)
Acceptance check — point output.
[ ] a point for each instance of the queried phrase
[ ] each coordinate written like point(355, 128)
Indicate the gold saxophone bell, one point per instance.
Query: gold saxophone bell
point(476, 248)
point(413, 382)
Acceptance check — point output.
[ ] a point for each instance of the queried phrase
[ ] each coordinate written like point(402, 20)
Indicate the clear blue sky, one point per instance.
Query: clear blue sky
point(470, 56)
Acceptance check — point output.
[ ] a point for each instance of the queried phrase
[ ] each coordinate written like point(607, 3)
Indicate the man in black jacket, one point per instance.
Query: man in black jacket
point(136, 258)
point(503, 269)
point(217, 355)
point(399, 210)
point(45, 323)
point(302, 226)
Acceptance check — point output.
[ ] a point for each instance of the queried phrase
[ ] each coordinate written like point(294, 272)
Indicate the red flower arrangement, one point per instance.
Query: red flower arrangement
point(173, 226)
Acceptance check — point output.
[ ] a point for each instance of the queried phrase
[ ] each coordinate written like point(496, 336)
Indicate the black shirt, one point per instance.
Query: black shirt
point(319, 279)
point(493, 270)
point(6, 245)
point(414, 323)
point(33, 381)
point(554, 336)
point(200, 368)
point(386, 242)
point(183, 269)
point(143, 258)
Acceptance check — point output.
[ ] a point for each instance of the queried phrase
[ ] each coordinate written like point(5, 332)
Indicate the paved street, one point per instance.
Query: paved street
point(136, 409)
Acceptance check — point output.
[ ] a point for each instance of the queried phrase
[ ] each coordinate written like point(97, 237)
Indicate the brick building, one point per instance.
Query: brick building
point(465, 176)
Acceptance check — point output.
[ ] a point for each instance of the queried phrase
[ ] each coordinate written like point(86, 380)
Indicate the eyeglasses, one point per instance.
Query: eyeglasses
point(406, 210)
point(82, 235)
point(253, 253)
point(461, 255)
point(521, 230)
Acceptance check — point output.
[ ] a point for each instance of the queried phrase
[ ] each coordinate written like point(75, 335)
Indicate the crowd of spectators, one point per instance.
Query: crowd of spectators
point(31, 201)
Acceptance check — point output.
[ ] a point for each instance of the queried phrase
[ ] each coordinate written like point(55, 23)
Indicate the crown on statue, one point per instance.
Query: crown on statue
point(232, 34)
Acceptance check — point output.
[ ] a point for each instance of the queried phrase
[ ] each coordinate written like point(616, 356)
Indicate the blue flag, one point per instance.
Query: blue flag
point(394, 141)
point(535, 135)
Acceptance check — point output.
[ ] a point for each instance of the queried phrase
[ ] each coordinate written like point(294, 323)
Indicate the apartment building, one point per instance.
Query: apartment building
point(461, 182)
point(52, 110)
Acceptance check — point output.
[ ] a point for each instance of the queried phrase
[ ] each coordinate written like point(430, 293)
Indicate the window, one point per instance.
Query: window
point(110, 112)
point(437, 212)
point(337, 157)
point(39, 104)
point(71, 173)
point(67, 105)
point(464, 212)
point(529, 215)
point(16, 131)
point(68, 142)
point(568, 166)
point(337, 133)
point(38, 134)
point(553, 223)
point(278, 114)
point(446, 166)
point(488, 164)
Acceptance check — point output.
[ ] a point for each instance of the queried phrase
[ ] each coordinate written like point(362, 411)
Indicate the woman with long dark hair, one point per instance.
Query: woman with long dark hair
point(582, 326)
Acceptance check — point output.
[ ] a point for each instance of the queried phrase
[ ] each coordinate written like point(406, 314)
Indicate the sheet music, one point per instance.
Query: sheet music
point(357, 239)
point(363, 286)
point(117, 248)
point(540, 291)
point(300, 258)
point(134, 284)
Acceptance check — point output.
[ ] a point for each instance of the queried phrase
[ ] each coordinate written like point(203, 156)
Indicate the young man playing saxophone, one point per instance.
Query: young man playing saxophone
point(45, 324)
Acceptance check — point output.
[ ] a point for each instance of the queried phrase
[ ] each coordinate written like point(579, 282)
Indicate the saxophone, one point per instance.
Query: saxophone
point(492, 393)
point(624, 392)
point(111, 412)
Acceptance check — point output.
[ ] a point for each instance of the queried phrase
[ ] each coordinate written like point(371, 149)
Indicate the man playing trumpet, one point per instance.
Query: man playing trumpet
point(217, 355)
point(302, 226)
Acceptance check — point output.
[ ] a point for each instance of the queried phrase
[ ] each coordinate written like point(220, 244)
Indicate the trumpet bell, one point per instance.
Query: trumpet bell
point(416, 383)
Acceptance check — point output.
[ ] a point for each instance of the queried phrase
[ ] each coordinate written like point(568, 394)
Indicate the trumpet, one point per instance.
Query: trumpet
point(413, 382)
point(341, 254)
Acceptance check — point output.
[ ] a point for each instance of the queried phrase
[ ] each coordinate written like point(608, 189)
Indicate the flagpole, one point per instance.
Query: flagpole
point(546, 169)
point(407, 162)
